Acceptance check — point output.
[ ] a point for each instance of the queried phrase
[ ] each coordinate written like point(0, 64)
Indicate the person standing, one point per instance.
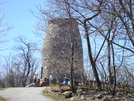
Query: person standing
point(34, 79)
point(50, 79)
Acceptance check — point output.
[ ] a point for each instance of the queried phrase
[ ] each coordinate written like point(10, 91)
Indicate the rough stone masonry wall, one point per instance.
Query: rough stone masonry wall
point(57, 51)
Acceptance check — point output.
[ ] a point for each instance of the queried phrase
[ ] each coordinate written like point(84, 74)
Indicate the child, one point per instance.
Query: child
point(41, 83)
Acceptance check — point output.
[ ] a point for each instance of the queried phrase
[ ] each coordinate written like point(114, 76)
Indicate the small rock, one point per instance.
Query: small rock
point(107, 99)
point(79, 90)
point(93, 97)
point(119, 93)
point(72, 98)
point(104, 93)
point(68, 94)
point(117, 98)
point(123, 99)
point(129, 95)
point(82, 97)
point(84, 92)
point(99, 96)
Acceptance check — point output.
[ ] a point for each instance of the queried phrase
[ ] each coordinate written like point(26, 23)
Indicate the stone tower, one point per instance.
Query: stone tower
point(62, 48)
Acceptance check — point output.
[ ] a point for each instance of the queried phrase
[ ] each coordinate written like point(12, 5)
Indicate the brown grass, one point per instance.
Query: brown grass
point(2, 99)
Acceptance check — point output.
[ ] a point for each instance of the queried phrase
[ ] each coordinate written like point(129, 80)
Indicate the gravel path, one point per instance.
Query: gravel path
point(24, 94)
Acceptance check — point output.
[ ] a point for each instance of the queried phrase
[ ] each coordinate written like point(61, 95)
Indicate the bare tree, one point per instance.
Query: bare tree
point(13, 72)
point(4, 27)
point(25, 59)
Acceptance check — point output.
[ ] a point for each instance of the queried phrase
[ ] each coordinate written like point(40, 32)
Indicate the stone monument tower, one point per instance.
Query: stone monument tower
point(62, 48)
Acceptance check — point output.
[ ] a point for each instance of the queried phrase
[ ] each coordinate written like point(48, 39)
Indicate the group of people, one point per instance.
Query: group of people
point(59, 80)
point(64, 81)
point(41, 83)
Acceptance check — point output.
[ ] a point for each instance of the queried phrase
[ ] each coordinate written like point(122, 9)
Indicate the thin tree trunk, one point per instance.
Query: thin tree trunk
point(91, 59)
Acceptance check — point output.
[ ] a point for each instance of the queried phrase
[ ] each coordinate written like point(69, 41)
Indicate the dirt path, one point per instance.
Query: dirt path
point(24, 94)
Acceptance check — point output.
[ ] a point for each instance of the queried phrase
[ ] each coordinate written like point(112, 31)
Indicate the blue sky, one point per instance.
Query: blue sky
point(17, 14)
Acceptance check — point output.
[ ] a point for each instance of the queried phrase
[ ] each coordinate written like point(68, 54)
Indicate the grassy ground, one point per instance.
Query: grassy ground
point(2, 89)
point(1, 98)
point(57, 97)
